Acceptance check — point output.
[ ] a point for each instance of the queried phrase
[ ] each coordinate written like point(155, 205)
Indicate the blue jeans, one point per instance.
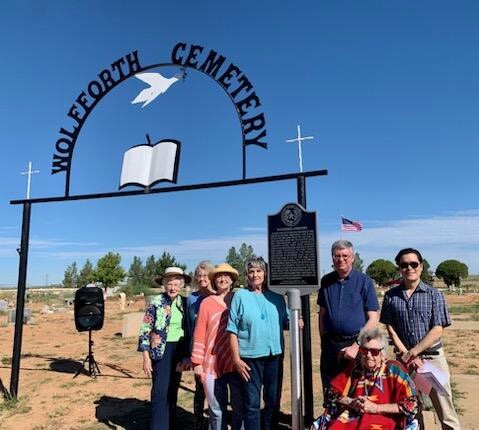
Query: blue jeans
point(198, 402)
point(264, 373)
point(164, 390)
point(217, 395)
point(235, 385)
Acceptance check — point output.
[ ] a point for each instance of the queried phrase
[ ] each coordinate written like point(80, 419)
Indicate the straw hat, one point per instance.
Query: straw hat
point(223, 268)
point(173, 271)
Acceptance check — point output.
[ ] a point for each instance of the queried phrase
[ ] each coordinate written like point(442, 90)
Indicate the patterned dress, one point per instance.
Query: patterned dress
point(388, 384)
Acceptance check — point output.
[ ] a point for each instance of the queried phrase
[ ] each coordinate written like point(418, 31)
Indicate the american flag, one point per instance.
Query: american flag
point(348, 225)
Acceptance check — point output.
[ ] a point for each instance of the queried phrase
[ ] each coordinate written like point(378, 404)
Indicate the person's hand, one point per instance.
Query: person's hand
point(187, 365)
point(183, 365)
point(366, 406)
point(242, 368)
point(198, 370)
point(350, 352)
point(411, 360)
point(301, 323)
point(355, 404)
point(147, 367)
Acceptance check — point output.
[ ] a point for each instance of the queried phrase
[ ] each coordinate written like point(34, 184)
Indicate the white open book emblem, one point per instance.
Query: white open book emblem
point(146, 165)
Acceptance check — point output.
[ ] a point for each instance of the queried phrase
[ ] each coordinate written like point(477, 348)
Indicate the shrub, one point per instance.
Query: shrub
point(136, 289)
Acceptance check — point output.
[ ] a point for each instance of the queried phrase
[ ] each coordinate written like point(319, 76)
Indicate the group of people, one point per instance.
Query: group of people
point(362, 388)
point(233, 341)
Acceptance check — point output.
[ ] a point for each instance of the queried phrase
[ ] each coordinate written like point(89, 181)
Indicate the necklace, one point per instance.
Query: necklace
point(262, 308)
point(370, 379)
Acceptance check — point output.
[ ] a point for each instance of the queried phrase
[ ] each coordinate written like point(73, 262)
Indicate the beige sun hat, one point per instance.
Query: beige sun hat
point(223, 268)
point(173, 271)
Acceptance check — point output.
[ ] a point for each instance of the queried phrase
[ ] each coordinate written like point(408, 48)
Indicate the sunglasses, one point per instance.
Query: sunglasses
point(374, 351)
point(412, 264)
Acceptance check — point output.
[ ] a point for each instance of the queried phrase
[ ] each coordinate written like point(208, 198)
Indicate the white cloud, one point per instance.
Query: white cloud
point(253, 229)
point(449, 236)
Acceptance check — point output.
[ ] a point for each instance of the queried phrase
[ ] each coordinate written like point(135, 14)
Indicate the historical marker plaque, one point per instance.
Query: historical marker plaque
point(293, 250)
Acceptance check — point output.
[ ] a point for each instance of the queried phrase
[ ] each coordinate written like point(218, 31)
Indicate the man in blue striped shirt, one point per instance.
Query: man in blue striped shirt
point(415, 315)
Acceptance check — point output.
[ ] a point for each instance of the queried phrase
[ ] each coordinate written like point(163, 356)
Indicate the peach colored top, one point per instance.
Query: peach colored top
point(211, 347)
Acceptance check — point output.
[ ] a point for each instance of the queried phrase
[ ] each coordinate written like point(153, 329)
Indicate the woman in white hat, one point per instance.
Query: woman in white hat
point(211, 356)
point(163, 342)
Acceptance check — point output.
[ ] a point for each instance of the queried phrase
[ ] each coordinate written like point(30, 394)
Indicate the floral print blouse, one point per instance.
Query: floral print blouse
point(156, 322)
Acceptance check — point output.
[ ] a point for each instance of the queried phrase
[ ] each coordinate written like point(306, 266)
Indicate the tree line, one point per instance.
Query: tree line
point(140, 276)
point(450, 271)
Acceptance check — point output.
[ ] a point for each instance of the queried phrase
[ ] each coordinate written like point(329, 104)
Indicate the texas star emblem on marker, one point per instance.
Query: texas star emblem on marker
point(158, 85)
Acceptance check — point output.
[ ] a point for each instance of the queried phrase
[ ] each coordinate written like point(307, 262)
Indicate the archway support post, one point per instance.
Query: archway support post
point(21, 289)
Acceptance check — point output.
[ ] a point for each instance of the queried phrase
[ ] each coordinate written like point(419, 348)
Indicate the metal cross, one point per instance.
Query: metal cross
point(299, 139)
point(29, 173)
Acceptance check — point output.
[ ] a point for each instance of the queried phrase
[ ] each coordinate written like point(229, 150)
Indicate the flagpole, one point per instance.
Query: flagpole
point(340, 227)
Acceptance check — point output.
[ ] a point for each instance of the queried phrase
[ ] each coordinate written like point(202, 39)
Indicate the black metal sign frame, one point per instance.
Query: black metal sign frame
point(253, 126)
point(230, 77)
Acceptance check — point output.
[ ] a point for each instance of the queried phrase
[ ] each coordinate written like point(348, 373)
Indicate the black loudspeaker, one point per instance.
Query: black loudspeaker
point(89, 308)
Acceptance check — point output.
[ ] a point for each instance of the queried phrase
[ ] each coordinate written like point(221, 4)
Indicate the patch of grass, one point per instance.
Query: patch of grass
point(15, 406)
point(88, 381)
point(456, 396)
point(47, 297)
point(68, 384)
point(7, 361)
point(472, 370)
point(142, 383)
point(464, 309)
point(60, 412)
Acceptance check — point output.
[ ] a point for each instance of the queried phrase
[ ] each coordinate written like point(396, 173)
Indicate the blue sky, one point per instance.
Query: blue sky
point(388, 89)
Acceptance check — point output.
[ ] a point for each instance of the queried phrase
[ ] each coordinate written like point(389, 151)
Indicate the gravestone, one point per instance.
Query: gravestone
point(27, 315)
point(131, 324)
point(3, 306)
point(122, 302)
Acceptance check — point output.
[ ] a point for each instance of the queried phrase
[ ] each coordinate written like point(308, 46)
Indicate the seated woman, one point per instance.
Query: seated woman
point(371, 393)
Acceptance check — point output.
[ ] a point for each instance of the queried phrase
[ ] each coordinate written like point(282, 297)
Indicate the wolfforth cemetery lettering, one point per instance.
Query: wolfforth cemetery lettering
point(230, 77)
point(292, 248)
point(233, 80)
point(121, 69)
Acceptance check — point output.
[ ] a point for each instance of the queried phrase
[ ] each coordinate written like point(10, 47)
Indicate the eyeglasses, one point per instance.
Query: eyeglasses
point(374, 351)
point(223, 275)
point(412, 264)
point(339, 257)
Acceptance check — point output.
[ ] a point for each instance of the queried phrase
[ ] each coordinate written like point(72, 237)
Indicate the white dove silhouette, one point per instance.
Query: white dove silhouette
point(158, 85)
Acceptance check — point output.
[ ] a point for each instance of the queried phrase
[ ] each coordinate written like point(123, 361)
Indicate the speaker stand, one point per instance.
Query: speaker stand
point(93, 369)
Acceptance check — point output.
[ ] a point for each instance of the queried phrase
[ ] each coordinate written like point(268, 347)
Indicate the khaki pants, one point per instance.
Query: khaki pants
point(443, 404)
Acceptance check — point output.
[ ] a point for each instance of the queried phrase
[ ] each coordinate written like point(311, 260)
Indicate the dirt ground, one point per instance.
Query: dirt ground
point(50, 397)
